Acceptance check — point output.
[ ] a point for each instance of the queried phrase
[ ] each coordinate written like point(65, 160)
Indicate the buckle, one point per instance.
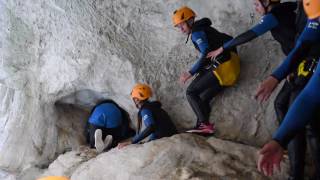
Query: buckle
point(215, 62)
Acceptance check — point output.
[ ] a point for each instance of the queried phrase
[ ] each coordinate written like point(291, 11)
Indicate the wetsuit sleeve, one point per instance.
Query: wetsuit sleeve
point(301, 112)
point(201, 40)
point(267, 23)
point(310, 35)
point(148, 121)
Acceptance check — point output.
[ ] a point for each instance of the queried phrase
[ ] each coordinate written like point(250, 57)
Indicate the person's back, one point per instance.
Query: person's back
point(107, 115)
point(285, 31)
point(164, 126)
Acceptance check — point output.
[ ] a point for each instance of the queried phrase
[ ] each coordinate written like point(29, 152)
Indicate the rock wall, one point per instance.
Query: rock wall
point(59, 57)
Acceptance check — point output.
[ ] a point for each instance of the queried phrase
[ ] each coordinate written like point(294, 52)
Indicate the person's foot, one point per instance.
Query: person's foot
point(107, 142)
point(205, 128)
point(98, 142)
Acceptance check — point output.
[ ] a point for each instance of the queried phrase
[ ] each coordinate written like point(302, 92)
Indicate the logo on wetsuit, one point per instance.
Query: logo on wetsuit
point(199, 41)
point(313, 25)
point(145, 117)
point(261, 21)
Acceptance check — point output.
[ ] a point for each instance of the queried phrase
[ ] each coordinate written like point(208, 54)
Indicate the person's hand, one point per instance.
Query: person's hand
point(270, 156)
point(184, 77)
point(266, 88)
point(124, 144)
point(215, 53)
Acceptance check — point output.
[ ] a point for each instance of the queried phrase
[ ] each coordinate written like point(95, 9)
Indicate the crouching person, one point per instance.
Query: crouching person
point(157, 122)
point(108, 125)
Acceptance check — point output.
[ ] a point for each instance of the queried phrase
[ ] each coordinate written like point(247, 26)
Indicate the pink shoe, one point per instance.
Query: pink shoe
point(207, 128)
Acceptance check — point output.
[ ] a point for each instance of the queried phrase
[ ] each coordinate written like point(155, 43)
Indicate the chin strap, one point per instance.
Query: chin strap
point(187, 38)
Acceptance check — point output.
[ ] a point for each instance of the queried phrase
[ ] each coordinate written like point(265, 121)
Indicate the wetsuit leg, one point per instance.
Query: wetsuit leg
point(116, 135)
point(204, 81)
point(313, 135)
point(301, 112)
point(92, 130)
point(281, 102)
point(297, 147)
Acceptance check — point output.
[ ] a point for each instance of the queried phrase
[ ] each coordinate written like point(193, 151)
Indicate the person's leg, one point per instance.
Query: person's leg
point(117, 136)
point(281, 103)
point(92, 130)
point(313, 135)
point(296, 153)
point(297, 147)
point(204, 82)
point(208, 95)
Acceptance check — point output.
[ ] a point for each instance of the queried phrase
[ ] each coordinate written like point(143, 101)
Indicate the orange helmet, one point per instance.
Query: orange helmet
point(141, 92)
point(54, 178)
point(312, 8)
point(181, 15)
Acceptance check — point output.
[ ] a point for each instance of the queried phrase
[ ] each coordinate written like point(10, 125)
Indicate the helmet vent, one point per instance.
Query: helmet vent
point(182, 16)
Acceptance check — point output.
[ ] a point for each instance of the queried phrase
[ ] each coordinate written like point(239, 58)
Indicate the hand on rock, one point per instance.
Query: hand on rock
point(184, 77)
point(266, 88)
point(270, 156)
point(124, 144)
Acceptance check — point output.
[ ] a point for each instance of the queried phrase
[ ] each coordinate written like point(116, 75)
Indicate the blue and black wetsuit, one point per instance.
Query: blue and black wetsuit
point(111, 119)
point(280, 21)
point(157, 122)
point(310, 35)
point(307, 47)
point(301, 112)
point(206, 85)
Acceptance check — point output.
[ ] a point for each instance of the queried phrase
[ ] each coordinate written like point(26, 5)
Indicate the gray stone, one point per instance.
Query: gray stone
point(182, 156)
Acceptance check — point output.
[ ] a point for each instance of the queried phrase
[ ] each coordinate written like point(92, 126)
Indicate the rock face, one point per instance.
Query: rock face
point(182, 156)
point(59, 57)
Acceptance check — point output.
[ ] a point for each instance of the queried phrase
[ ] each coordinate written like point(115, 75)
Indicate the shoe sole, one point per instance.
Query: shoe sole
point(98, 143)
point(108, 141)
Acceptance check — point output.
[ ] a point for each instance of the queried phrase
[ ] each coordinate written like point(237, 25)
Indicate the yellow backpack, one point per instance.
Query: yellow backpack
point(228, 72)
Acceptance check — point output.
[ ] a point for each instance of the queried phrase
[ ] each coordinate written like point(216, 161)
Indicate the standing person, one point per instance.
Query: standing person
point(108, 125)
point(157, 122)
point(211, 77)
point(307, 103)
point(283, 23)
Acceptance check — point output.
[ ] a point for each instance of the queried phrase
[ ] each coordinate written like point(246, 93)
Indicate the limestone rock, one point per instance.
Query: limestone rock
point(182, 156)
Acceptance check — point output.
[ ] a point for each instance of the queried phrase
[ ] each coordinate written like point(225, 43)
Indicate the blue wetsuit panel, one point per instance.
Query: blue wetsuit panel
point(106, 115)
point(201, 40)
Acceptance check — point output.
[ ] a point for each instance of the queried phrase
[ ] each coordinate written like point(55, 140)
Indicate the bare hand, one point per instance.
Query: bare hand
point(270, 156)
point(184, 77)
point(266, 88)
point(124, 144)
point(215, 53)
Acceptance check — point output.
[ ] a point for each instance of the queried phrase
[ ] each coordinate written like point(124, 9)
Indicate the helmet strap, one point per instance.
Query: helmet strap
point(189, 24)
point(187, 38)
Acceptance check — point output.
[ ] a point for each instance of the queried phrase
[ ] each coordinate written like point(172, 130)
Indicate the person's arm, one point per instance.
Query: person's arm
point(201, 40)
point(267, 23)
point(148, 120)
point(301, 112)
point(310, 35)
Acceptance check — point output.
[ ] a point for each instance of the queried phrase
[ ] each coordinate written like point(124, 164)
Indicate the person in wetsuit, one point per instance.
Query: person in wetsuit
point(306, 105)
point(156, 120)
point(211, 77)
point(108, 124)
